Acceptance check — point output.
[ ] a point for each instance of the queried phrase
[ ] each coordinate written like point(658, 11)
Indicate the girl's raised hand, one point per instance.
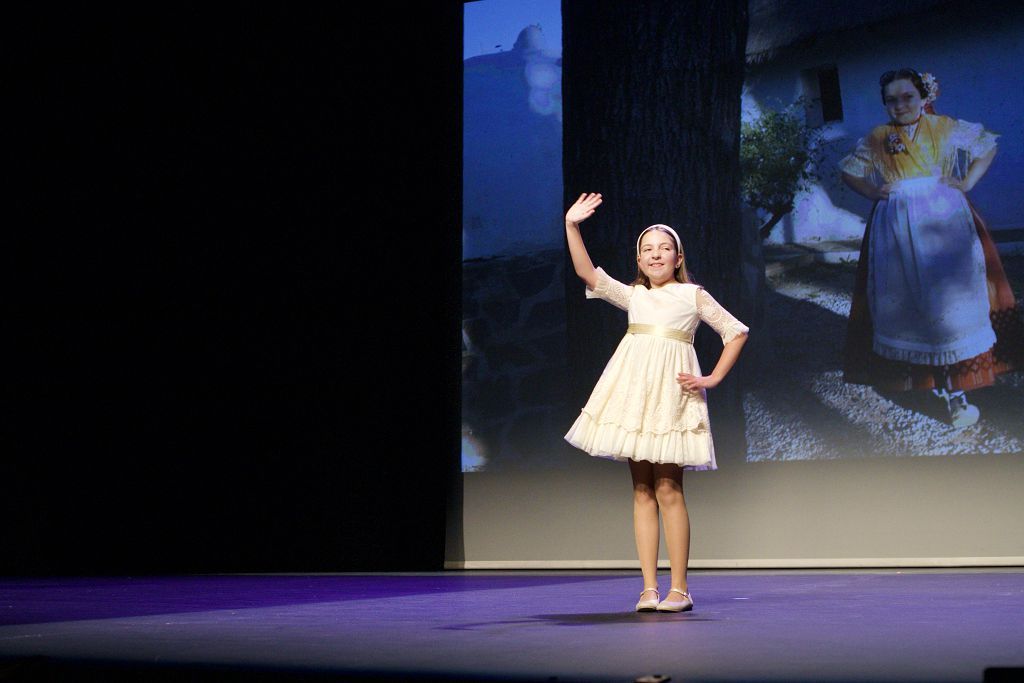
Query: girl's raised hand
point(583, 208)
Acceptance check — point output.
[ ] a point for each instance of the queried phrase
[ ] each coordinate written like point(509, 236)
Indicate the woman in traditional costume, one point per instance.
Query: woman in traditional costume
point(931, 307)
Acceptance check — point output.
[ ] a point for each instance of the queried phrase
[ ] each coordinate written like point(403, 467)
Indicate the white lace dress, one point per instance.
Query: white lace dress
point(638, 410)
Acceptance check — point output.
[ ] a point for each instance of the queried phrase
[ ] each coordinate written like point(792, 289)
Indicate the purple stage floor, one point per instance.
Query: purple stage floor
point(883, 625)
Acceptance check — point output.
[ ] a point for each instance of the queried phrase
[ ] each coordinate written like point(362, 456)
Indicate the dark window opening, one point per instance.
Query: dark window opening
point(822, 96)
point(831, 98)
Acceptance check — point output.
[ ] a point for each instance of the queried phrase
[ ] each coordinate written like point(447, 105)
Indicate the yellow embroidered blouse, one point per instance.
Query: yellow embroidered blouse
point(936, 146)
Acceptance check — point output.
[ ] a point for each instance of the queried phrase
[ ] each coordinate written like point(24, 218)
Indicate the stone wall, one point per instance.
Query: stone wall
point(514, 373)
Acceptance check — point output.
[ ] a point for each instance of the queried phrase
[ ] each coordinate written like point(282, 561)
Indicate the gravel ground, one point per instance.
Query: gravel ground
point(797, 406)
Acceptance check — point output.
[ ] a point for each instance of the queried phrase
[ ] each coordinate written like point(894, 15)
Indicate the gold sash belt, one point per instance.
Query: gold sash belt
point(660, 331)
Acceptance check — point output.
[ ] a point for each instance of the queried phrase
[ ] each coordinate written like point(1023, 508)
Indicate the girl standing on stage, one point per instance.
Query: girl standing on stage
point(649, 407)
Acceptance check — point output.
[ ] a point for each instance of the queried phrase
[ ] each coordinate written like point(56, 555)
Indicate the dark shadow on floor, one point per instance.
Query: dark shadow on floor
point(45, 600)
point(593, 619)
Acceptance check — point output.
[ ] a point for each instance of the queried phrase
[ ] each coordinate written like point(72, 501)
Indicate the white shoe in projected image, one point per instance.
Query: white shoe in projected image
point(962, 413)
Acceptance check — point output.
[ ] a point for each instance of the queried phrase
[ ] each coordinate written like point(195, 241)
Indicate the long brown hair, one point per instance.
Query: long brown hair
point(680, 274)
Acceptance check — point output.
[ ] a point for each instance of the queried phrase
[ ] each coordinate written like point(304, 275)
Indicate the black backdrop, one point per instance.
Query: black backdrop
point(234, 243)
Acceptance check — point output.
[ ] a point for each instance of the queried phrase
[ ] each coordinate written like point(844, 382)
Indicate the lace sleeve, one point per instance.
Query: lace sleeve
point(719, 319)
point(858, 163)
point(611, 290)
point(972, 138)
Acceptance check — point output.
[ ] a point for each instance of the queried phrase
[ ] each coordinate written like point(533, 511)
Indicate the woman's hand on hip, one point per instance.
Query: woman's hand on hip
point(955, 183)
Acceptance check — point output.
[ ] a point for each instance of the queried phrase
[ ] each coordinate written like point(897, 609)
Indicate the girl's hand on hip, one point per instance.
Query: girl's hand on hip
point(583, 208)
point(696, 382)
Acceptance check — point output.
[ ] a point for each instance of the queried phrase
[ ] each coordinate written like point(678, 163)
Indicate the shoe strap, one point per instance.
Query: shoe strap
point(676, 590)
point(650, 589)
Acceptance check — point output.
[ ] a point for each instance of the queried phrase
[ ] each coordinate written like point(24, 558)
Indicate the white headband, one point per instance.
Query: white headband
point(659, 226)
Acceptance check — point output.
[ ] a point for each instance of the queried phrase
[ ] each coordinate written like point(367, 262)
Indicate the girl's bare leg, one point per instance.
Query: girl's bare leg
point(668, 488)
point(645, 522)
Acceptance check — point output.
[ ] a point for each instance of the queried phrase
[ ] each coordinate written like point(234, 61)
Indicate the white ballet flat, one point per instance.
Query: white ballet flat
point(648, 605)
point(684, 605)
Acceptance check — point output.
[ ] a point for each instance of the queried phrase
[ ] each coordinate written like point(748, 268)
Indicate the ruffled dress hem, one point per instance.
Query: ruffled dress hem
point(690, 449)
point(977, 344)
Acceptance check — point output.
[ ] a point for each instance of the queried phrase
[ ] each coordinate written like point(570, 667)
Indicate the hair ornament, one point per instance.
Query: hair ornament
point(659, 226)
point(932, 86)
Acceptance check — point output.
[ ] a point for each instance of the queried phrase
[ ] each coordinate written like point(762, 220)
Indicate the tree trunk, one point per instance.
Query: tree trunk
point(651, 101)
point(766, 229)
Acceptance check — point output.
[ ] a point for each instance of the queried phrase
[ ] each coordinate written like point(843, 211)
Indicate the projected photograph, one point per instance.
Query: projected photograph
point(513, 258)
point(895, 262)
point(881, 153)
